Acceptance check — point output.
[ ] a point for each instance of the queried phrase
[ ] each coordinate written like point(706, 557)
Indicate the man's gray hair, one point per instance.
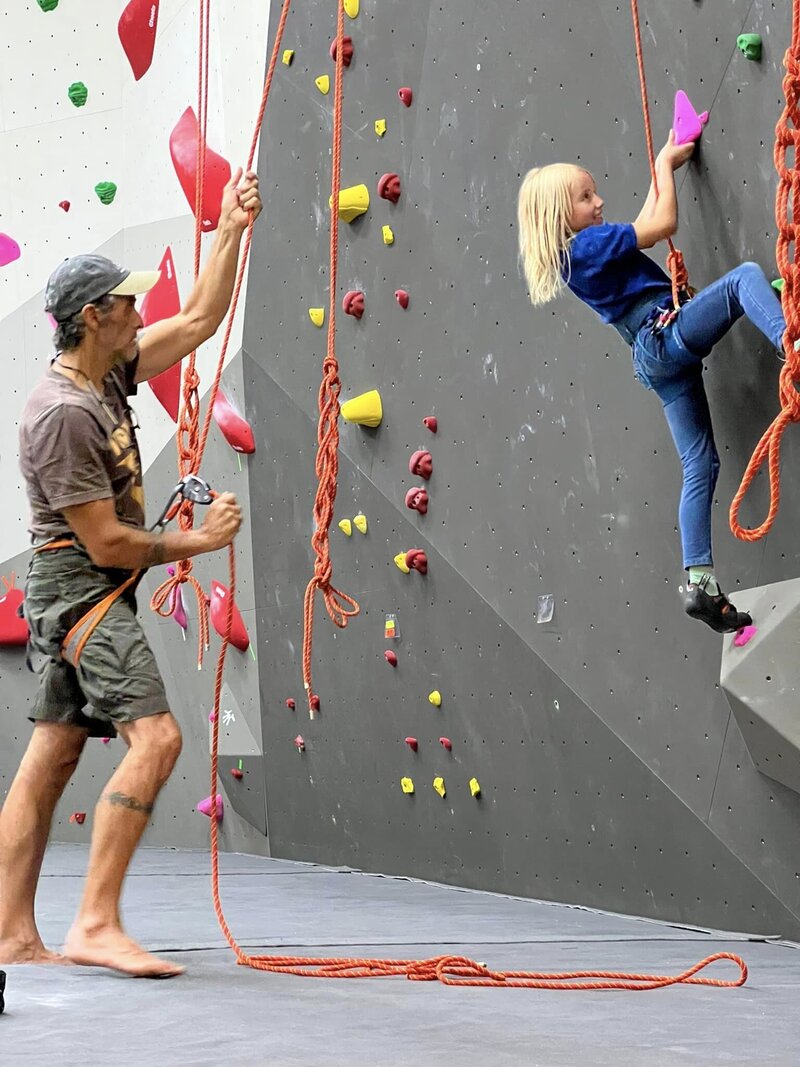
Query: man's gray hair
point(71, 332)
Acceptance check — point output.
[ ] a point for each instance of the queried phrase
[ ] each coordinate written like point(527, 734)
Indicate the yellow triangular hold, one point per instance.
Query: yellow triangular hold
point(317, 316)
point(360, 523)
point(388, 235)
point(438, 785)
point(288, 56)
point(400, 562)
point(323, 83)
point(366, 410)
point(407, 785)
point(346, 527)
point(475, 787)
point(353, 201)
point(380, 127)
point(351, 8)
point(435, 698)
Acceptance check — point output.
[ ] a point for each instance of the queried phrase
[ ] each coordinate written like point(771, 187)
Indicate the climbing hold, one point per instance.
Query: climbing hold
point(13, 628)
point(162, 302)
point(178, 611)
point(299, 744)
point(212, 717)
point(421, 464)
point(346, 527)
point(235, 429)
point(106, 740)
point(351, 8)
point(353, 303)
point(314, 702)
point(323, 83)
point(445, 742)
point(205, 807)
point(366, 409)
point(47, 5)
point(416, 560)
point(183, 145)
point(390, 657)
point(431, 423)
point(438, 785)
point(137, 34)
point(380, 127)
point(347, 51)
point(746, 634)
point(79, 817)
point(417, 500)
point(290, 704)
point(317, 316)
point(219, 617)
point(435, 698)
point(9, 250)
point(388, 235)
point(360, 522)
point(749, 44)
point(400, 561)
point(237, 774)
point(405, 95)
point(78, 94)
point(401, 296)
point(412, 743)
point(353, 201)
point(778, 285)
point(475, 787)
point(64, 205)
point(406, 785)
point(287, 57)
point(106, 191)
point(686, 123)
point(389, 187)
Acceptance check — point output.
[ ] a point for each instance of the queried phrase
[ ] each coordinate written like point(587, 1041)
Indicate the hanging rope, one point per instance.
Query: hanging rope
point(675, 263)
point(787, 212)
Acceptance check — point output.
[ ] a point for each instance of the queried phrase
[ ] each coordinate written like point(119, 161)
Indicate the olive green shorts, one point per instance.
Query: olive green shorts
point(116, 680)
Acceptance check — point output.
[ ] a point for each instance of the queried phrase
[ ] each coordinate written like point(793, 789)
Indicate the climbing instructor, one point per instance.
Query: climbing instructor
point(82, 469)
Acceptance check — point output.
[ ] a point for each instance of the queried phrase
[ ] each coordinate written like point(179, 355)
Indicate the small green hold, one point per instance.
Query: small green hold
point(78, 94)
point(106, 191)
point(749, 45)
point(47, 5)
point(778, 285)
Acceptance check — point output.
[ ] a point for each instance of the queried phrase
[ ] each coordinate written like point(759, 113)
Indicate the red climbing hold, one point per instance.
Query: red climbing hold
point(299, 744)
point(219, 617)
point(64, 205)
point(183, 148)
point(445, 742)
point(412, 743)
point(235, 429)
point(405, 95)
point(137, 33)
point(162, 302)
point(314, 702)
point(237, 774)
point(13, 628)
point(431, 422)
point(353, 303)
point(417, 500)
point(79, 817)
point(421, 464)
point(417, 560)
point(389, 187)
point(290, 704)
point(401, 296)
point(347, 51)
point(390, 657)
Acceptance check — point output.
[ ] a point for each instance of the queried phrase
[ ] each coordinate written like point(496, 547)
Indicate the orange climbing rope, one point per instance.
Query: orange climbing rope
point(786, 136)
point(675, 263)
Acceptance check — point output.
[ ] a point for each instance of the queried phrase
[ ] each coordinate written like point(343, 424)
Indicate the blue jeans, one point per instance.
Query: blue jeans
point(671, 364)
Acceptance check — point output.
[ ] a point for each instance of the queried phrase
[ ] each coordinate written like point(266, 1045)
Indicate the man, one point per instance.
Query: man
point(80, 459)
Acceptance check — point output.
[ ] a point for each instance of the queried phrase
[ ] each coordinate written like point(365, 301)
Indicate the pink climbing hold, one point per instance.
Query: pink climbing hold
point(417, 500)
point(299, 743)
point(137, 34)
point(401, 296)
point(686, 123)
point(405, 95)
point(353, 303)
point(64, 205)
point(9, 250)
point(183, 143)
point(347, 51)
point(389, 187)
point(162, 302)
point(178, 613)
point(390, 657)
point(412, 743)
point(205, 807)
point(219, 617)
point(431, 423)
point(747, 633)
point(421, 464)
point(235, 429)
point(417, 560)
point(106, 740)
point(445, 742)
point(290, 704)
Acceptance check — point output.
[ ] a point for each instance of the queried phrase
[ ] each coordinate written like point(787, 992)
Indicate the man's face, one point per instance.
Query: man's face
point(117, 331)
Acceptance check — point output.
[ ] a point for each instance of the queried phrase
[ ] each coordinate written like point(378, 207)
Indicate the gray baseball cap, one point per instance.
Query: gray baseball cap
point(82, 279)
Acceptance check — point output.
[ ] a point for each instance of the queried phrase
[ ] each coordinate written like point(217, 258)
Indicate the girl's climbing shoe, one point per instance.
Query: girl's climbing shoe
point(715, 611)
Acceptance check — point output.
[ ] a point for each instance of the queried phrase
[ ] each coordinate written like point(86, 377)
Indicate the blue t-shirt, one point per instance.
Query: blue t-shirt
point(610, 274)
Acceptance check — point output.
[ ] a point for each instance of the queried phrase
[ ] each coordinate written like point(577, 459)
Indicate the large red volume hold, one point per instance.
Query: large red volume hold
point(13, 629)
point(137, 33)
point(219, 617)
point(235, 429)
point(162, 302)
point(183, 149)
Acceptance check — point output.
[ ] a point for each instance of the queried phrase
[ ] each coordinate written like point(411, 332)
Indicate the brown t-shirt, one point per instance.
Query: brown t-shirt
point(74, 449)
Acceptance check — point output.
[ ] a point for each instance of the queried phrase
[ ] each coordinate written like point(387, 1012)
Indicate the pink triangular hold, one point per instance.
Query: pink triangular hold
point(686, 123)
point(9, 249)
point(183, 149)
point(206, 806)
point(235, 429)
point(162, 302)
point(137, 33)
point(747, 633)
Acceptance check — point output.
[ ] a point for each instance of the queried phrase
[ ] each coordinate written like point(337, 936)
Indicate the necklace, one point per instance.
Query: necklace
point(91, 387)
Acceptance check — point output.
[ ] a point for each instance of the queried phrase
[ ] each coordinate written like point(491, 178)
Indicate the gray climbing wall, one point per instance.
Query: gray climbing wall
point(612, 771)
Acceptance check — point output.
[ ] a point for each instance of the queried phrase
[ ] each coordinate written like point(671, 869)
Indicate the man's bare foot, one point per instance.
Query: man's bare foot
point(109, 946)
point(19, 950)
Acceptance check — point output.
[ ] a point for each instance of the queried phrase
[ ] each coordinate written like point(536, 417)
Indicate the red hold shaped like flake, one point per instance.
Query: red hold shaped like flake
point(390, 657)
point(13, 628)
point(401, 296)
point(417, 560)
point(389, 187)
point(417, 500)
point(219, 617)
point(183, 149)
point(353, 303)
point(137, 34)
point(347, 51)
point(405, 95)
point(162, 302)
point(235, 429)
point(421, 464)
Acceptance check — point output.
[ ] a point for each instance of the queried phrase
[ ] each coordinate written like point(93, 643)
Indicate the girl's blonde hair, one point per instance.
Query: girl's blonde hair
point(544, 209)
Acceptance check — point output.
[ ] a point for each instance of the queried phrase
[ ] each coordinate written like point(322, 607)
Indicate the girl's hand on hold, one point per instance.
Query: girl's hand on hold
point(676, 155)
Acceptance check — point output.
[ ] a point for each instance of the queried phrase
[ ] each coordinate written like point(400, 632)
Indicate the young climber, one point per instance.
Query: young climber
point(565, 242)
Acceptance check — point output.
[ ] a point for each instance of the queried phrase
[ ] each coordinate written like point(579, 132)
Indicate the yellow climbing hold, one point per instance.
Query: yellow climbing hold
point(388, 235)
point(366, 410)
point(438, 785)
point(288, 56)
point(346, 527)
point(360, 522)
point(317, 316)
point(351, 8)
point(407, 785)
point(353, 201)
point(380, 127)
point(475, 787)
point(323, 83)
point(435, 698)
point(400, 561)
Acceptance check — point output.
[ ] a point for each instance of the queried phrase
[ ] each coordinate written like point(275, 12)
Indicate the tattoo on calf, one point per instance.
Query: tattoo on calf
point(131, 803)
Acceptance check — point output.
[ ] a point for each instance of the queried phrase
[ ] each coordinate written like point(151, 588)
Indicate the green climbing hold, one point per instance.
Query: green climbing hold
point(47, 5)
point(778, 285)
point(749, 45)
point(106, 191)
point(78, 94)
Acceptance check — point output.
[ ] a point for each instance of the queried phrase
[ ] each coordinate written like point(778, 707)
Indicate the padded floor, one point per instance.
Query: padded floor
point(221, 1013)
